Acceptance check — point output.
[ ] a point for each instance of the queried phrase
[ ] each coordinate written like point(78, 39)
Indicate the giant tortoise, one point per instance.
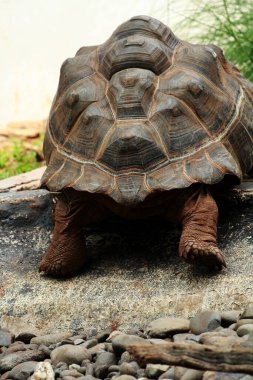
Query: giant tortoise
point(145, 126)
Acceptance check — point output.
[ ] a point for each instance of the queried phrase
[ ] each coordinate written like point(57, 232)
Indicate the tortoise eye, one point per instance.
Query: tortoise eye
point(195, 89)
point(176, 111)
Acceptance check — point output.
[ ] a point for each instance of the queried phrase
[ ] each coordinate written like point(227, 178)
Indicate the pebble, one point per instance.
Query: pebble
point(245, 330)
point(43, 371)
point(69, 354)
point(153, 371)
point(247, 313)
point(25, 337)
point(6, 338)
point(242, 322)
point(164, 327)
point(192, 374)
point(127, 369)
point(11, 360)
point(49, 339)
point(122, 341)
point(102, 364)
point(205, 321)
point(23, 370)
point(229, 317)
point(93, 356)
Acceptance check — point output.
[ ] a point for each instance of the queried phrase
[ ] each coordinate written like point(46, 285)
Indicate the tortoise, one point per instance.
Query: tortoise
point(145, 126)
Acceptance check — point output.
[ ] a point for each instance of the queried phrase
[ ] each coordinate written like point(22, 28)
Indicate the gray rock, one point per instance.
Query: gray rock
point(6, 338)
point(49, 339)
point(88, 377)
point(168, 374)
point(164, 327)
point(192, 374)
point(113, 368)
point(100, 347)
point(245, 330)
point(102, 364)
point(124, 377)
point(125, 357)
point(247, 313)
point(11, 360)
point(127, 369)
point(23, 370)
point(242, 322)
point(180, 337)
point(69, 354)
point(88, 366)
point(141, 374)
point(113, 374)
point(71, 372)
point(43, 371)
point(153, 371)
point(205, 321)
point(122, 341)
point(179, 372)
point(79, 341)
point(89, 343)
point(25, 337)
point(101, 337)
point(229, 317)
point(213, 375)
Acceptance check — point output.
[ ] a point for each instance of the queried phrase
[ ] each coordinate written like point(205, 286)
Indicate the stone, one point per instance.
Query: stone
point(247, 313)
point(192, 374)
point(168, 374)
point(100, 347)
point(165, 327)
point(17, 346)
point(125, 357)
point(11, 360)
point(43, 371)
point(205, 321)
point(102, 336)
point(179, 372)
point(89, 367)
point(6, 338)
point(102, 364)
point(49, 339)
point(153, 371)
point(89, 343)
point(88, 377)
point(23, 370)
point(69, 354)
point(125, 377)
point(122, 341)
point(213, 375)
point(180, 337)
point(25, 337)
point(229, 317)
point(80, 341)
point(127, 369)
point(242, 322)
point(113, 368)
point(71, 372)
point(245, 330)
point(158, 340)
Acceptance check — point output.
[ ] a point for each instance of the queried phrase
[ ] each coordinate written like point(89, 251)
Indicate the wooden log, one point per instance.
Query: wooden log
point(196, 356)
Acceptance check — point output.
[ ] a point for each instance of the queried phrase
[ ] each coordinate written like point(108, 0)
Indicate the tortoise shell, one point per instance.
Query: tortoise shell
point(147, 112)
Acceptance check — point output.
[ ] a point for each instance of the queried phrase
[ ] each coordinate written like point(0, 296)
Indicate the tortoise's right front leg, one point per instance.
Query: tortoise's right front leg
point(199, 216)
point(66, 252)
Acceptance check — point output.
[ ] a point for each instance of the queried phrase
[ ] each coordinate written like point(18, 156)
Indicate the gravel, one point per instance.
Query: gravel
point(91, 355)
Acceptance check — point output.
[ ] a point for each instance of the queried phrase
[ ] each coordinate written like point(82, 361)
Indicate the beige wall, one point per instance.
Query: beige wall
point(37, 35)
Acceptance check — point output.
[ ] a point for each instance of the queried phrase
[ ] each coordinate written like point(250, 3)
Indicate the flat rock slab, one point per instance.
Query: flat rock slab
point(133, 275)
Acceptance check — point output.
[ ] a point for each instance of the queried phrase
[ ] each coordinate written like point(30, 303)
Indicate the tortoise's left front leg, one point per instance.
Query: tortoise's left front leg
point(198, 243)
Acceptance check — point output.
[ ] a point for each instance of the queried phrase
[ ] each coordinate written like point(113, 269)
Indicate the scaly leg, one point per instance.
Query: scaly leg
point(66, 252)
point(198, 244)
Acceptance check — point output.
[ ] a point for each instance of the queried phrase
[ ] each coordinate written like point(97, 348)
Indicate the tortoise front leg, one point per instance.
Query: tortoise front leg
point(198, 244)
point(66, 252)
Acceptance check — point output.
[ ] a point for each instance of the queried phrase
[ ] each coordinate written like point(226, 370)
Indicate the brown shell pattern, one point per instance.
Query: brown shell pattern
point(147, 112)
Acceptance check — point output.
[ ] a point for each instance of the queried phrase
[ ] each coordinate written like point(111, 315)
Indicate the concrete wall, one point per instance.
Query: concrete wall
point(36, 36)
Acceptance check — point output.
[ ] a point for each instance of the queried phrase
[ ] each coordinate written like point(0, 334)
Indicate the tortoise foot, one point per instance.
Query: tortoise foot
point(199, 252)
point(64, 257)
